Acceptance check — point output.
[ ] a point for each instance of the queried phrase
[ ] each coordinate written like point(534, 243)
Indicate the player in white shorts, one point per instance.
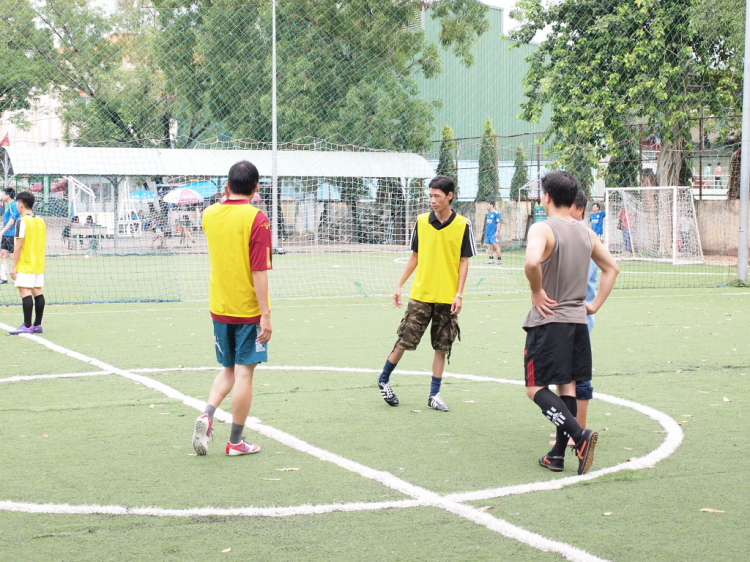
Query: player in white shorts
point(28, 263)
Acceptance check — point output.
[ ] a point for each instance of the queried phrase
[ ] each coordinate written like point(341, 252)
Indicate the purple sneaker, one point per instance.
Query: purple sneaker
point(22, 329)
point(37, 329)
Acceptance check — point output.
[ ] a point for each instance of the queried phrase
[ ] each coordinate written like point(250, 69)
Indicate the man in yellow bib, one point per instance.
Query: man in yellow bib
point(442, 243)
point(28, 263)
point(239, 248)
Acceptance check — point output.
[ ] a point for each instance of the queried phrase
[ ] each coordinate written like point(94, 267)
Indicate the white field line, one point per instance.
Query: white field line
point(66, 509)
point(505, 268)
point(421, 495)
point(672, 441)
point(21, 378)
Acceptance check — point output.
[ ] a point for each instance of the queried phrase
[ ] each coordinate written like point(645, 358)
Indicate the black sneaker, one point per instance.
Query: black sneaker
point(555, 464)
point(585, 449)
point(387, 393)
point(436, 403)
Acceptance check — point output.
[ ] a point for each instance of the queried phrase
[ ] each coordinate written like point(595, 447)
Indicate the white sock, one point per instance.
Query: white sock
point(4, 272)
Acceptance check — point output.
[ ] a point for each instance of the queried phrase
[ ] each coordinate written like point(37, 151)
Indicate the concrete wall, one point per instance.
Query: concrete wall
point(515, 216)
point(718, 225)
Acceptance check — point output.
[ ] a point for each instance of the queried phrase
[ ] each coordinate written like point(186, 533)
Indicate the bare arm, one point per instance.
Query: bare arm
point(17, 247)
point(8, 226)
point(604, 261)
point(537, 250)
point(463, 271)
point(409, 268)
point(260, 282)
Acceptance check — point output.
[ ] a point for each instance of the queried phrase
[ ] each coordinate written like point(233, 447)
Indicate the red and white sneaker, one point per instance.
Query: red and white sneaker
point(243, 448)
point(202, 434)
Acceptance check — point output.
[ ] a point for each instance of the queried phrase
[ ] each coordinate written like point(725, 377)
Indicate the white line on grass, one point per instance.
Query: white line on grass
point(420, 495)
point(61, 376)
point(674, 433)
point(66, 509)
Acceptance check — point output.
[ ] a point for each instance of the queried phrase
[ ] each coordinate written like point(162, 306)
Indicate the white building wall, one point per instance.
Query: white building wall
point(44, 125)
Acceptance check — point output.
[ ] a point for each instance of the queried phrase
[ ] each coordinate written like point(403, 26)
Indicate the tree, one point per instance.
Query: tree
point(21, 81)
point(102, 68)
point(622, 170)
point(606, 65)
point(520, 175)
point(345, 69)
point(720, 24)
point(489, 183)
point(447, 161)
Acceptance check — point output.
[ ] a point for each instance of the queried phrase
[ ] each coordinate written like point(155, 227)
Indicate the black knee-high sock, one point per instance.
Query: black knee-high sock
point(561, 440)
point(28, 306)
point(557, 412)
point(39, 308)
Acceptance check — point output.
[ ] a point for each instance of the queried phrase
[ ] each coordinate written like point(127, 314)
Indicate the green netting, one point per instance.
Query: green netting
point(623, 94)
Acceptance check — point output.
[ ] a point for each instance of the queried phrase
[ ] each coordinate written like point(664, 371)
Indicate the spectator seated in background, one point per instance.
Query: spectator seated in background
point(158, 240)
point(182, 229)
point(145, 224)
point(66, 229)
point(89, 221)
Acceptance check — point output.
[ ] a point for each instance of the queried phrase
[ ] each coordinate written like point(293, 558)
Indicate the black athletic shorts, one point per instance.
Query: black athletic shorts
point(7, 243)
point(557, 353)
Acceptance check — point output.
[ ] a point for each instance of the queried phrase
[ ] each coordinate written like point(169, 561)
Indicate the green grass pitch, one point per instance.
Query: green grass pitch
point(106, 440)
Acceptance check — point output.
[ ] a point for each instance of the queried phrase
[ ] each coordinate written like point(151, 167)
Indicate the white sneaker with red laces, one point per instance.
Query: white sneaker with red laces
point(202, 434)
point(243, 448)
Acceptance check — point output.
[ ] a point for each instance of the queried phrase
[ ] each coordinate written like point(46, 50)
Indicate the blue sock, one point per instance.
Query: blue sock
point(385, 376)
point(435, 385)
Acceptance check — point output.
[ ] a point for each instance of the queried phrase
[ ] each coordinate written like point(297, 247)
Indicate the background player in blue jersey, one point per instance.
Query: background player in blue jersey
point(597, 220)
point(10, 216)
point(492, 233)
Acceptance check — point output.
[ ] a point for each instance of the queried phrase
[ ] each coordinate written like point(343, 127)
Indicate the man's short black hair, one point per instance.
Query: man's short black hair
point(243, 178)
point(10, 192)
point(581, 200)
point(444, 184)
point(562, 188)
point(490, 202)
point(27, 198)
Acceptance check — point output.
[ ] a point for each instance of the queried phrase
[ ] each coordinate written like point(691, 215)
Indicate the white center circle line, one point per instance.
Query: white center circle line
point(420, 495)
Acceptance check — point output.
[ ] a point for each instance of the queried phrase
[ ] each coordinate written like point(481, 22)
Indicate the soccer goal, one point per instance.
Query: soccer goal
point(652, 224)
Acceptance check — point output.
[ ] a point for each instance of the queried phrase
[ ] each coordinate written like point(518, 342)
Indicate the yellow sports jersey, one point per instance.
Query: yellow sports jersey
point(436, 278)
point(239, 242)
point(34, 236)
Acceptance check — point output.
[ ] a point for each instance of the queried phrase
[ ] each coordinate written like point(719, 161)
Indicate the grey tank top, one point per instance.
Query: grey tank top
point(565, 275)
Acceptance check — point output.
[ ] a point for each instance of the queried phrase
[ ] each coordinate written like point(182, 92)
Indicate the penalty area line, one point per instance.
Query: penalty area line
point(421, 495)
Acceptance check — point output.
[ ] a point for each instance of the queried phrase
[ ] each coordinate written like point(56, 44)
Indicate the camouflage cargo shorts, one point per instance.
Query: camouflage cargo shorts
point(418, 315)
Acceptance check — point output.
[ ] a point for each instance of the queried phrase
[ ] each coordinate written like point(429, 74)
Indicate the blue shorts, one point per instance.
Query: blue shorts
point(584, 390)
point(490, 239)
point(236, 344)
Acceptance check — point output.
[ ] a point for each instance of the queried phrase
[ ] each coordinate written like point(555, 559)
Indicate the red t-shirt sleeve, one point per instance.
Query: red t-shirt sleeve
point(260, 243)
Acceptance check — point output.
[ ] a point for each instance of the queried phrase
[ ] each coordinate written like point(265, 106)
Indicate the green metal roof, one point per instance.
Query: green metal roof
point(491, 87)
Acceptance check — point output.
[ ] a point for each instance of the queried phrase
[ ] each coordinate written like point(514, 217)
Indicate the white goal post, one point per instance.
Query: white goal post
point(652, 224)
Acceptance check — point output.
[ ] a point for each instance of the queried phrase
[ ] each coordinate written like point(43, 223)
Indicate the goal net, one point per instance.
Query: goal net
point(653, 224)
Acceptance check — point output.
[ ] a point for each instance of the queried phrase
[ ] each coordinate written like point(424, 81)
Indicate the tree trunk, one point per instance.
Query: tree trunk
point(670, 161)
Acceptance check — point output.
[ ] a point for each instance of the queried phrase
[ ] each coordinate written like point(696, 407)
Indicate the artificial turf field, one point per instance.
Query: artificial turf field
point(85, 457)
point(182, 276)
